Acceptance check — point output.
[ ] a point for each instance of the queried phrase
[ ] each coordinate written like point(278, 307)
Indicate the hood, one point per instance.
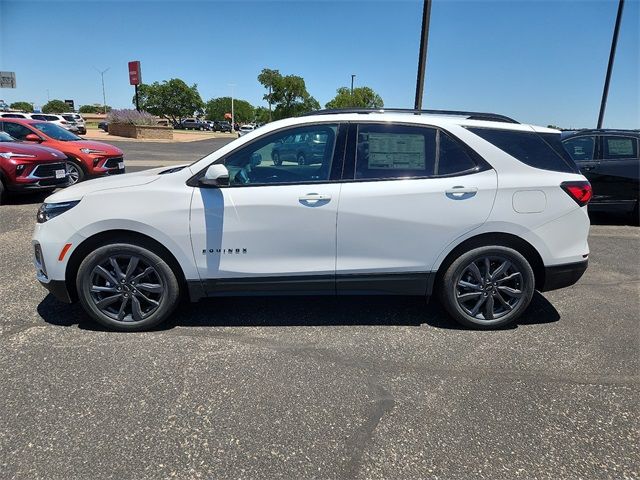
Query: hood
point(42, 153)
point(76, 192)
point(105, 147)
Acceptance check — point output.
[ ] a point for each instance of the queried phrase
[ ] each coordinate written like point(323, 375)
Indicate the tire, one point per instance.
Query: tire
point(276, 158)
point(301, 159)
point(488, 301)
point(113, 306)
point(635, 220)
point(2, 191)
point(76, 172)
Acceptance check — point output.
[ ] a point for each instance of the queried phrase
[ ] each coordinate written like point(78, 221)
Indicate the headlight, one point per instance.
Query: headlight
point(91, 150)
point(49, 210)
point(15, 155)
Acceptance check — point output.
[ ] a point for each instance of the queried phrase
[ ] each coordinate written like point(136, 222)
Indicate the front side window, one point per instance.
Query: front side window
point(580, 149)
point(616, 147)
point(395, 151)
point(16, 130)
point(54, 131)
point(275, 159)
point(39, 117)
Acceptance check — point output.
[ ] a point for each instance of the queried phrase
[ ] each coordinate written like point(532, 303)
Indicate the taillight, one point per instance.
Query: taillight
point(580, 191)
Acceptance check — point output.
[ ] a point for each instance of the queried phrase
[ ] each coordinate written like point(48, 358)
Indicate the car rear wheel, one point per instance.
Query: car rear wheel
point(276, 158)
point(76, 172)
point(301, 159)
point(487, 287)
point(127, 287)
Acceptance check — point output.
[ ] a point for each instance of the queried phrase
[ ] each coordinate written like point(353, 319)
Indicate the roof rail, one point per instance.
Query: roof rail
point(458, 113)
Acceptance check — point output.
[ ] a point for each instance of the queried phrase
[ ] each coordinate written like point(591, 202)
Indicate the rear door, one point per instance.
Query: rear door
point(618, 170)
point(584, 151)
point(412, 191)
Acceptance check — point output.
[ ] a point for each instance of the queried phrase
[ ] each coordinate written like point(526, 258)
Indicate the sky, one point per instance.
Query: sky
point(541, 62)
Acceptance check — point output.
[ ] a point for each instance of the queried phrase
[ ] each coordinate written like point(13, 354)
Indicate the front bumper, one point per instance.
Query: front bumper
point(57, 288)
point(560, 276)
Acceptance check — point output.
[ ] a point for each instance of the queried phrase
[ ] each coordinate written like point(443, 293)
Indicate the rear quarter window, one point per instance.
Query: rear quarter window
point(544, 151)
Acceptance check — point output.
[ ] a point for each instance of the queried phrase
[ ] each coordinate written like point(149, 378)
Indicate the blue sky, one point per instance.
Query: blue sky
point(541, 62)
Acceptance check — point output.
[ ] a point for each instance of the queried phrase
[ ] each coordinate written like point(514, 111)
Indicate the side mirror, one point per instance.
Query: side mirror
point(216, 175)
point(32, 137)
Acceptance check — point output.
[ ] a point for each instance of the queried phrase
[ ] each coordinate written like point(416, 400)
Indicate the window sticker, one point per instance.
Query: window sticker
point(396, 151)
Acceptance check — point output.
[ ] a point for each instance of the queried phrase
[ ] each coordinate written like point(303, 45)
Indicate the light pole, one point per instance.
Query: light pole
point(352, 77)
point(104, 97)
point(422, 58)
point(232, 85)
point(612, 56)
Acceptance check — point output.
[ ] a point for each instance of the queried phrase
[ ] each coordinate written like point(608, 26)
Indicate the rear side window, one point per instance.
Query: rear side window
point(580, 149)
point(542, 151)
point(452, 158)
point(395, 151)
point(616, 147)
point(39, 117)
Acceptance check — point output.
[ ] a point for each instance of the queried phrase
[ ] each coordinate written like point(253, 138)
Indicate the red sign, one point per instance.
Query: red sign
point(227, 115)
point(135, 75)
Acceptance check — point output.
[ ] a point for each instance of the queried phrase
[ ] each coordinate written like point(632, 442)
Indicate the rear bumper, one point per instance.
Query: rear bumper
point(560, 276)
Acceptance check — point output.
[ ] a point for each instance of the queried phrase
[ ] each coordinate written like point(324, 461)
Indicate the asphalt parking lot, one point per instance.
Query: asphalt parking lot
point(322, 387)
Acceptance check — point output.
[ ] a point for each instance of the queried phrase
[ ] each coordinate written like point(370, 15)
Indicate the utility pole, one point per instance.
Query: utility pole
point(104, 97)
point(233, 117)
point(269, 103)
point(612, 56)
point(422, 58)
point(48, 95)
point(352, 77)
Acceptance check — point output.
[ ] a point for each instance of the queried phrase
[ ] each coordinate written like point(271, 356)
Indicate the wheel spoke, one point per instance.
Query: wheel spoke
point(99, 289)
point(488, 308)
point(470, 285)
point(468, 296)
point(123, 306)
point(116, 267)
point(487, 268)
point(503, 301)
point(476, 307)
point(136, 311)
point(105, 302)
point(146, 272)
point(150, 287)
point(513, 276)
point(512, 292)
point(147, 299)
point(133, 263)
point(502, 269)
point(476, 272)
point(104, 273)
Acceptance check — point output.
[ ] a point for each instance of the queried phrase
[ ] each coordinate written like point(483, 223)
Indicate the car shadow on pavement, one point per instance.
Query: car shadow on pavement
point(300, 311)
point(31, 199)
point(610, 218)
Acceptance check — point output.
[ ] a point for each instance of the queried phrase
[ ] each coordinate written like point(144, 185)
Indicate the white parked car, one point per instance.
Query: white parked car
point(244, 129)
point(57, 119)
point(79, 121)
point(474, 207)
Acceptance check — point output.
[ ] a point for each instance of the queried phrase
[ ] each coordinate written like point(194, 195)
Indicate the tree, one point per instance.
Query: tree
point(288, 93)
point(262, 115)
point(56, 106)
point(95, 108)
point(172, 99)
point(24, 106)
point(217, 107)
point(362, 97)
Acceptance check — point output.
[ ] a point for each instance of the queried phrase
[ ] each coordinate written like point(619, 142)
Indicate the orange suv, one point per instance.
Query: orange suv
point(85, 158)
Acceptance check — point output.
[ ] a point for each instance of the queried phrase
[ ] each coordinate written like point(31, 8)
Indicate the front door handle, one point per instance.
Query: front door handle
point(460, 192)
point(314, 197)
point(587, 168)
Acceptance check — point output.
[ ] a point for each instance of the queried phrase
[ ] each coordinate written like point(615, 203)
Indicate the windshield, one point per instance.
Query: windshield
point(5, 137)
point(57, 133)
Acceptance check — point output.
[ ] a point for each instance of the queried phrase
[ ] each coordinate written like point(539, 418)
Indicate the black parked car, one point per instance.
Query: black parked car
point(104, 126)
point(609, 160)
point(222, 127)
point(303, 148)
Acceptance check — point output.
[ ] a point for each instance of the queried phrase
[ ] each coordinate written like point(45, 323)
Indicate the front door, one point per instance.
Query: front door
point(273, 229)
point(618, 171)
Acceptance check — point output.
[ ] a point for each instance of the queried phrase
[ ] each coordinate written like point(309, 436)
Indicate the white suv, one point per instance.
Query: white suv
point(476, 207)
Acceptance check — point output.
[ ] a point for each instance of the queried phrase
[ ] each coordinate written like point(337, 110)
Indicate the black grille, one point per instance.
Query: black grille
point(47, 170)
point(112, 162)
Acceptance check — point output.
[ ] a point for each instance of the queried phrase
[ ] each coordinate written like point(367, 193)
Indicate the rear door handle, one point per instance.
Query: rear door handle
point(313, 197)
point(461, 192)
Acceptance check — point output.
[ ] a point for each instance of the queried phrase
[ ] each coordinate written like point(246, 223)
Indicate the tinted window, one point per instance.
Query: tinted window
point(39, 117)
point(56, 132)
point(271, 160)
point(619, 147)
point(70, 118)
point(452, 157)
point(395, 151)
point(580, 148)
point(528, 147)
point(16, 130)
point(5, 137)
point(13, 115)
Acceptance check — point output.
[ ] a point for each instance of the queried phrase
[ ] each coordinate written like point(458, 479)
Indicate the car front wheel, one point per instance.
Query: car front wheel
point(487, 287)
point(127, 287)
point(76, 172)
